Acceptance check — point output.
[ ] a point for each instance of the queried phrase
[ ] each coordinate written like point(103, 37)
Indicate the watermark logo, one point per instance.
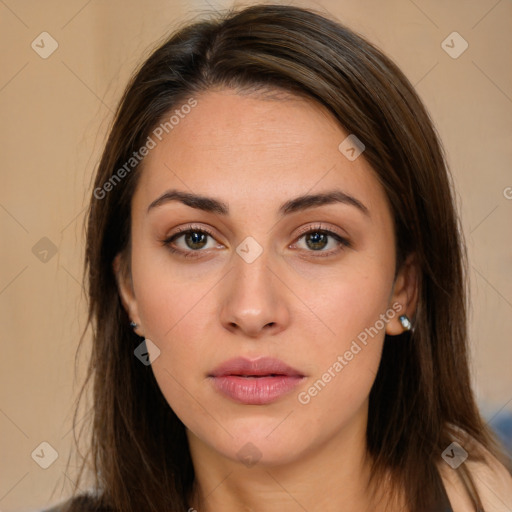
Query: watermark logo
point(249, 454)
point(45, 455)
point(44, 45)
point(454, 455)
point(351, 147)
point(147, 352)
point(44, 250)
point(249, 249)
point(454, 45)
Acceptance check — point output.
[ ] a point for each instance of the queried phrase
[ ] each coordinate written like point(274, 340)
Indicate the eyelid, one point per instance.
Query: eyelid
point(319, 227)
point(190, 227)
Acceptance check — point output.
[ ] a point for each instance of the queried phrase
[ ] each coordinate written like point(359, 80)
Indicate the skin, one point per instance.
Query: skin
point(254, 154)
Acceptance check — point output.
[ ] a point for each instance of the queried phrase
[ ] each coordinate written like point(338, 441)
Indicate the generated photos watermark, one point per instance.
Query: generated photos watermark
point(152, 141)
point(304, 397)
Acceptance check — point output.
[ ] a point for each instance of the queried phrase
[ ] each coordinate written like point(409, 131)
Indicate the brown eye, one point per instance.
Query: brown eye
point(195, 239)
point(322, 241)
point(316, 240)
point(189, 243)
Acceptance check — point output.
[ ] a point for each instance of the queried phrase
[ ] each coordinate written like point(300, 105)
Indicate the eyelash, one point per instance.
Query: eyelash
point(167, 242)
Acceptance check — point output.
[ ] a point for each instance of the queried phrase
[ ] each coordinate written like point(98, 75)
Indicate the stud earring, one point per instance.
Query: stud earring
point(406, 323)
point(133, 325)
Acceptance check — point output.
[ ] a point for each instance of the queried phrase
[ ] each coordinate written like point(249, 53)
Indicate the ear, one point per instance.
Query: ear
point(125, 288)
point(405, 293)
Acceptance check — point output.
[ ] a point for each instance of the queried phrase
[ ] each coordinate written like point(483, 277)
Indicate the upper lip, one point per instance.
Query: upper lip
point(258, 367)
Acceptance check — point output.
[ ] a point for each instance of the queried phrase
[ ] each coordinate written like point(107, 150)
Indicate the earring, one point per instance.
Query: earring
point(133, 325)
point(406, 323)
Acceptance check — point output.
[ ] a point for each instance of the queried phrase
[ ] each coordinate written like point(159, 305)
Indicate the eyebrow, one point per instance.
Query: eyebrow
point(209, 204)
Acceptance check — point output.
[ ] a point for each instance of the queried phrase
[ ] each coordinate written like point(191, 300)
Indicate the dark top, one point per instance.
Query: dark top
point(442, 503)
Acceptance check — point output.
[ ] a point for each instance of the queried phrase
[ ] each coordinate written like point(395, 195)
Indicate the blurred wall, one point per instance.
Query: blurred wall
point(55, 110)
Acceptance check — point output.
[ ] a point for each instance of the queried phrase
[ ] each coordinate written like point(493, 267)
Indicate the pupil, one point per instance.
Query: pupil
point(195, 238)
point(319, 240)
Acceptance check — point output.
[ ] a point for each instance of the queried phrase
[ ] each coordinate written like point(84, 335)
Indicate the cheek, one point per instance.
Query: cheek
point(346, 303)
point(167, 294)
point(353, 312)
point(175, 312)
point(175, 318)
point(343, 363)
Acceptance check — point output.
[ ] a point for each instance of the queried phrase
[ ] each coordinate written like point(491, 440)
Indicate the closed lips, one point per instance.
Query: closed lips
point(262, 367)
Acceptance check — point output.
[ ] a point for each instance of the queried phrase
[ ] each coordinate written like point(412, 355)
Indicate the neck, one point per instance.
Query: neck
point(332, 477)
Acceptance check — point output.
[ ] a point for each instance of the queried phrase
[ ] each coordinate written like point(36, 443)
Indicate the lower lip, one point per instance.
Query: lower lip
point(255, 390)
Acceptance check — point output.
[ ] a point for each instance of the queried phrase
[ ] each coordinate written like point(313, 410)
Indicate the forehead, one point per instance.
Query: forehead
point(255, 152)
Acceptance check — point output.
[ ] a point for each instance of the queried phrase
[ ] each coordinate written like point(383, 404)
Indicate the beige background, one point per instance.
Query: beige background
point(55, 112)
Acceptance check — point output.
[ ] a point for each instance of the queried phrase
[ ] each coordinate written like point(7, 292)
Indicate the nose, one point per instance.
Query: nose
point(254, 299)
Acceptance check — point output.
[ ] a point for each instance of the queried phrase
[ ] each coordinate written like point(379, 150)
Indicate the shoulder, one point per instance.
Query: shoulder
point(492, 480)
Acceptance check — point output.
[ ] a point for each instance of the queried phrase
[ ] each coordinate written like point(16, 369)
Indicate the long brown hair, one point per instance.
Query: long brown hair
point(422, 397)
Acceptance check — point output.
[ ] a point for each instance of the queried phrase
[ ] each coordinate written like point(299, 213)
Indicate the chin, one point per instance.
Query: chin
point(259, 442)
point(262, 452)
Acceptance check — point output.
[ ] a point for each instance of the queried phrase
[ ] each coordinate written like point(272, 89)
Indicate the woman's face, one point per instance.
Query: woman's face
point(248, 281)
